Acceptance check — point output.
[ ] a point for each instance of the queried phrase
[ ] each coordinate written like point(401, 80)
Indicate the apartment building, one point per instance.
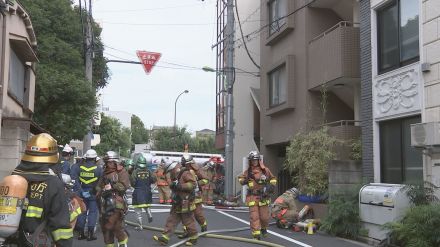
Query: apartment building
point(17, 83)
point(315, 49)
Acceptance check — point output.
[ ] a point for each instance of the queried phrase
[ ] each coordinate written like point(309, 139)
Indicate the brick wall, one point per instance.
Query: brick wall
point(366, 91)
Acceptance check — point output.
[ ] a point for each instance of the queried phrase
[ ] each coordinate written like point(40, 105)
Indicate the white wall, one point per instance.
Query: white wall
point(249, 12)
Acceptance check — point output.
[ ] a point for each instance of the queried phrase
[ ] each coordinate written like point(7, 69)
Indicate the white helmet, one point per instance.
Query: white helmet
point(90, 154)
point(67, 149)
point(111, 156)
point(294, 191)
point(148, 158)
point(170, 167)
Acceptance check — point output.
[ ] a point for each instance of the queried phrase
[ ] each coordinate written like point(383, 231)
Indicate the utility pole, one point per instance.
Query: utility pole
point(87, 142)
point(230, 78)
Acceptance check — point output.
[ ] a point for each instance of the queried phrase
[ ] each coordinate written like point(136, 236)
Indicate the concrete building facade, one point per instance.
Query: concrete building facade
point(17, 83)
point(315, 47)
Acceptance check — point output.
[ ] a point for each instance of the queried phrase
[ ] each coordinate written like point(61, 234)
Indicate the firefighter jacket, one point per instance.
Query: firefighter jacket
point(183, 190)
point(141, 180)
point(201, 179)
point(210, 175)
point(47, 203)
point(285, 208)
point(86, 176)
point(114, 182)
point(259, 189)
point(162, 178)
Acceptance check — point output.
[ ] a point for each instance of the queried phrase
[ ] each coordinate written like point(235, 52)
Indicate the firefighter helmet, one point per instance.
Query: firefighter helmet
point(141, 162)
point(91, 154)
point(41, 148)
point(294, 191)
point(67, 150)
point(169, 167)
point(254, 155)
point(111, 156)
point(187, 159)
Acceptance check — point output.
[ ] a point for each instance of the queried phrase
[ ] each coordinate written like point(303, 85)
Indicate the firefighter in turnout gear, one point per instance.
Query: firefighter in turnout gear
point(111, 197)
point(261, 184)
point(163, 182)
point(47, 212)
point(86, 177)
point(141, 180)
point(208, 189)
point(202, 180)
point(182, 187)
point(285, 209)
point(219, 180)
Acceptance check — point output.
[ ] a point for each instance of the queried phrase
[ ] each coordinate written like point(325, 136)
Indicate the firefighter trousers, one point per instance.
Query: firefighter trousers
point(164, 194)
point(175, 218)
point(113, 226)
point(259, 218)
point(199, 215)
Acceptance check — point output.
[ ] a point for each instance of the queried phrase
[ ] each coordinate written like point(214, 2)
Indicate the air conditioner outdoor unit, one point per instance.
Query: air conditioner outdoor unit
point(425, 134)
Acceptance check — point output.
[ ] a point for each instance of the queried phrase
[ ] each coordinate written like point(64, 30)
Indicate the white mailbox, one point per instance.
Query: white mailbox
point(379, 204)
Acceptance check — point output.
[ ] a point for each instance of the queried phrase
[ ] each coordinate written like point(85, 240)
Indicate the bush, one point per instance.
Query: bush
point(421, 193)
point(307, 158)
point(343, 216)
point(419, 228)
point(356, 149)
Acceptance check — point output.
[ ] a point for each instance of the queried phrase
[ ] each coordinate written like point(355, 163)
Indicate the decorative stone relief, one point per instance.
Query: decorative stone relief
point(397, 92)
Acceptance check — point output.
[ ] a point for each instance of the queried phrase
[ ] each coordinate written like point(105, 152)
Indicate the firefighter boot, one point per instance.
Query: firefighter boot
point(264, 232)
point(163, 239)
point(191, 242)
point(81, 235)
point(92, 235)
point(256, 235)
point(204, 227)
point(184, 234)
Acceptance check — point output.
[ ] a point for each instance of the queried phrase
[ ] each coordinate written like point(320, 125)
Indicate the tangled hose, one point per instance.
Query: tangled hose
point(209, 234)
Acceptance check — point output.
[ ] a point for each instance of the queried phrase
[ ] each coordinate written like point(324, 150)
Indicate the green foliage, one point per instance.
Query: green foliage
point(307, 158)
point(420, 227)
point(356, 149)
point(421, 193)
point(139, 132)
point(64, 99)
point(165, 140)
point(113, 137)
point(343, 216)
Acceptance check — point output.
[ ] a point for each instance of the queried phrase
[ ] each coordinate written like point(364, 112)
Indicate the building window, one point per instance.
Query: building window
point(278, 86)
point(398, 34)
point(400, 163)
point(17, 75)
point(277, 10)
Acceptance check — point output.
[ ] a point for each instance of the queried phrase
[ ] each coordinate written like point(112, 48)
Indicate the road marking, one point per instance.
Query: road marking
point(271, 232)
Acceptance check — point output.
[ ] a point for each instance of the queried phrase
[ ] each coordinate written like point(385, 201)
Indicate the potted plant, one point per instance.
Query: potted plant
point(307, 158)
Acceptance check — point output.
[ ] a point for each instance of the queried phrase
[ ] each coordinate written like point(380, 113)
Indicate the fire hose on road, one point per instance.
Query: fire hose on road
point(209, 234)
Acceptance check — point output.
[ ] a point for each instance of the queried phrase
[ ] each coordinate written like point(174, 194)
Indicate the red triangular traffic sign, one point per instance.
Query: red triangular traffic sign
point(148, 59)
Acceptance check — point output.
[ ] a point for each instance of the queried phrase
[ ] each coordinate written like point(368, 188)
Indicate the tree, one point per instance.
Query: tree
point(114, 137)
point(139, 132)
point(64, 100)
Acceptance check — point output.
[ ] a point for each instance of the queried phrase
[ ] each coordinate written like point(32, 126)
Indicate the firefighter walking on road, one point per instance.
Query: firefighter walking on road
point(163, 183)
point(86, 177)
point(182, 187)
point(47, 210)
point(202, 180)
point(261, 184)
point(141, 180)
point(111, 191)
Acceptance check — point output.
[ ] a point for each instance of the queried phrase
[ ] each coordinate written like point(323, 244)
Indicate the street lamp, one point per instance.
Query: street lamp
point(175, 112)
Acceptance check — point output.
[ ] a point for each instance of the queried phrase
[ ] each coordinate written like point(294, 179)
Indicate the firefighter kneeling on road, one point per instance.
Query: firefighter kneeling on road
point(261, 184)
point(182, 187)
point(141, 180)
point(111, 191)
point(285, 209)
point(47, 210)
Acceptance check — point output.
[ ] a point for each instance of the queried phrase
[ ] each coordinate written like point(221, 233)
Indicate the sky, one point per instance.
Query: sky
point(183, 31)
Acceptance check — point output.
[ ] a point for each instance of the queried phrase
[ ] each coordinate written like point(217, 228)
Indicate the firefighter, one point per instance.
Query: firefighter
point(202, 180)
point(47, 210)
point(111, 192)
point(141, 180)
point(182, 187)
point(128, 164)
point(86, 175)
point(261, 184)
point(208, 189)
point(218, 180)
point(66, 156)
point(76, 204)
point(285, 209)
point(163, 182)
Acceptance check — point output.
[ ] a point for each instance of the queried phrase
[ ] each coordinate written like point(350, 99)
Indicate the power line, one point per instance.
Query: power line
point(148, 9)
point(159, 24)
point(244, 42)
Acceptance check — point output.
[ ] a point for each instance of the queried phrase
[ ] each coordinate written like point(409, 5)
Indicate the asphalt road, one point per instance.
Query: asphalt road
point(224, 220)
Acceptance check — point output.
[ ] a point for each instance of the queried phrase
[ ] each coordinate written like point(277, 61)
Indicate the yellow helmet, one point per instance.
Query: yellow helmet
point(41, 148)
